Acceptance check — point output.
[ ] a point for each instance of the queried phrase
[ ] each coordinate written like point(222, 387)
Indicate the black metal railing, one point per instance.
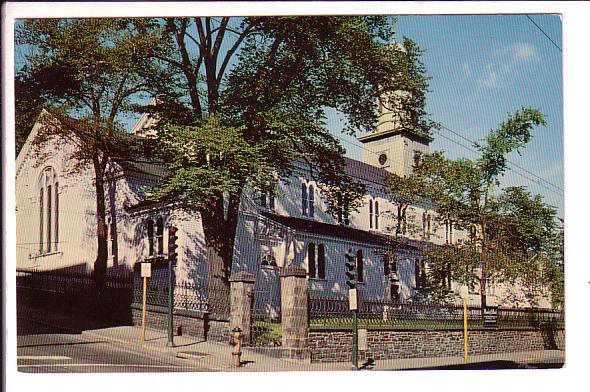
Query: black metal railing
point(266, 320)
point(335, 313)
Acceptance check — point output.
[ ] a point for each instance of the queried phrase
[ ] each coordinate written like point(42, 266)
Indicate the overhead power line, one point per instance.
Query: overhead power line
point(537, 178)
point(544, 33)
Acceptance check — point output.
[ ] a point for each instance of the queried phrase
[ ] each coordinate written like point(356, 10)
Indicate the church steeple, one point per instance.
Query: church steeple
point(393, 143)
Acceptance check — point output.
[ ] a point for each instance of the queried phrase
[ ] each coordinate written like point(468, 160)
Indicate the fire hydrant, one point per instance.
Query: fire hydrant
point(236, 342)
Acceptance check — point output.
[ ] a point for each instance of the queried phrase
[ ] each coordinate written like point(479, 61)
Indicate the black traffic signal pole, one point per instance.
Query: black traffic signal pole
point(351, 282)
point(171, 261)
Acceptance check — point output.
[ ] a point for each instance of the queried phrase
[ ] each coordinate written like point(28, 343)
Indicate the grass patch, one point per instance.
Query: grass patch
point(266, 333)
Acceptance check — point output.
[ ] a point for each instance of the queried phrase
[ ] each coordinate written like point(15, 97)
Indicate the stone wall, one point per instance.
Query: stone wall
point(195, 324)
point(335, 345)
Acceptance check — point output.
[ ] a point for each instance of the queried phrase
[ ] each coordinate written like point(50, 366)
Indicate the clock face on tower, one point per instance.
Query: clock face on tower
point(382, 159)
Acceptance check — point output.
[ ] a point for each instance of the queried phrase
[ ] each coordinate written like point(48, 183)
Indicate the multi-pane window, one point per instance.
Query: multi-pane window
point(316, 261)
point(373, 214)
point(359, 266)
point(112, 236)
point(307, 200)
point(160, 235)
point(311, 195)
point(311, 260)
point(376, 215)
point(343, 209)
point(267, 198)
point(48, 211)
point(389, 264)
point(304, 200)
point(150, 234)
point(449, 232)
point(419, 273)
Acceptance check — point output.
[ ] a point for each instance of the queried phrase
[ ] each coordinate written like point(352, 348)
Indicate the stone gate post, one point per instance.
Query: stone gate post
point(241, 296)
point(294, 311)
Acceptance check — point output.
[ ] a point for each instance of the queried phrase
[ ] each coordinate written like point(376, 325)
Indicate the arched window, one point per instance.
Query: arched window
point(48, 211)
point(150, 234)
point(56, 215)
point(311, 260)
point(371, 213)
point(41, 218)
point(160, 235)
point(420, 273)
point(304, 200)
point(386, 265)
point(376, 215)
point(311, 195)
point(321, 261)
point(359, 266)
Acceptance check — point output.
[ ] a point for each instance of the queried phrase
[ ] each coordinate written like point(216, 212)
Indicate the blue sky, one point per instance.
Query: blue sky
point(484, 67)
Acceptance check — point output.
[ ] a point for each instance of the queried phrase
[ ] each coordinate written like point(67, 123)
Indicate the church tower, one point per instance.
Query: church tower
point(393, 144)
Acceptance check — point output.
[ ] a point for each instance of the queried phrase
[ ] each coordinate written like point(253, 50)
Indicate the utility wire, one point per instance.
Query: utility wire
point(544, 33)
point(512, 163)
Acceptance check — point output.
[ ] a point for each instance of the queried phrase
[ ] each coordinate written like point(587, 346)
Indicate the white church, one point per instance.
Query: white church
point(56, 230)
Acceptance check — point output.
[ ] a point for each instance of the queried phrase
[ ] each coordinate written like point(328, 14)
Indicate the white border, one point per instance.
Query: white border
point(576, 18)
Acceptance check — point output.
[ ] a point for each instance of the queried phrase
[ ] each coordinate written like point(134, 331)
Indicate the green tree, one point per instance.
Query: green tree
point(464, 191)
point(254, 91)
point(90, 71)
point(29, 104)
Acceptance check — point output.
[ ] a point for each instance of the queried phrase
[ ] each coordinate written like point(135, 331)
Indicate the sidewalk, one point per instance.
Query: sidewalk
point(215, 356)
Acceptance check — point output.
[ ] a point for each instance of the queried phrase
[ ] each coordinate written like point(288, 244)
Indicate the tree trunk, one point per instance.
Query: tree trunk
point(220, 231)
point(100, 264)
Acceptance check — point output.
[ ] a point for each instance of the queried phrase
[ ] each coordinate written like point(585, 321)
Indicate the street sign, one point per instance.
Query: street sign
point(490, 316)
point(146, 270)
point(352, 299)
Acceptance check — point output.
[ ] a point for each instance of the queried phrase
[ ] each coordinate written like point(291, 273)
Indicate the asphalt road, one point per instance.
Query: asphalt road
point(46, 348)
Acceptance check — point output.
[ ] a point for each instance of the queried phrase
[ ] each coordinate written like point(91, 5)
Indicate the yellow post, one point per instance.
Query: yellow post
point(465, 348)
point(143, 309)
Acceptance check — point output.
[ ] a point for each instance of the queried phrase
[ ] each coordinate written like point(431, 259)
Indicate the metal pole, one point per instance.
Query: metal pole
point(143, 308)
point(465, 345)
point(355, 341)
point(170, 304)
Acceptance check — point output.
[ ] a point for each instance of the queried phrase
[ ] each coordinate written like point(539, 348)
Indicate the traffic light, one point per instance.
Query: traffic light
point(172, 244)
point(350, 270)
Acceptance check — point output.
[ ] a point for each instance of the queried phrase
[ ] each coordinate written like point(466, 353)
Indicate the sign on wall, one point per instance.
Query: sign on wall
point(490, 316)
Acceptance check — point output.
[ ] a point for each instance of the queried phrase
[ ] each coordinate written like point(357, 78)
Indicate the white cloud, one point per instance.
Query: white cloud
point(522, 52)
point(502, 66)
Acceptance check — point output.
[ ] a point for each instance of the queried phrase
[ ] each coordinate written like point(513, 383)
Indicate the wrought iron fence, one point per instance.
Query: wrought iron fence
point(335, 313)
point(75, 283)
point(187, 296)
point(266, 320)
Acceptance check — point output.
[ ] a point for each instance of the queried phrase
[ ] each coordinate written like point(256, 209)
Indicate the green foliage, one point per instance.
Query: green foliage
point(212, 159)
point(89, 71)
point(267, 82)
point(506, 228)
